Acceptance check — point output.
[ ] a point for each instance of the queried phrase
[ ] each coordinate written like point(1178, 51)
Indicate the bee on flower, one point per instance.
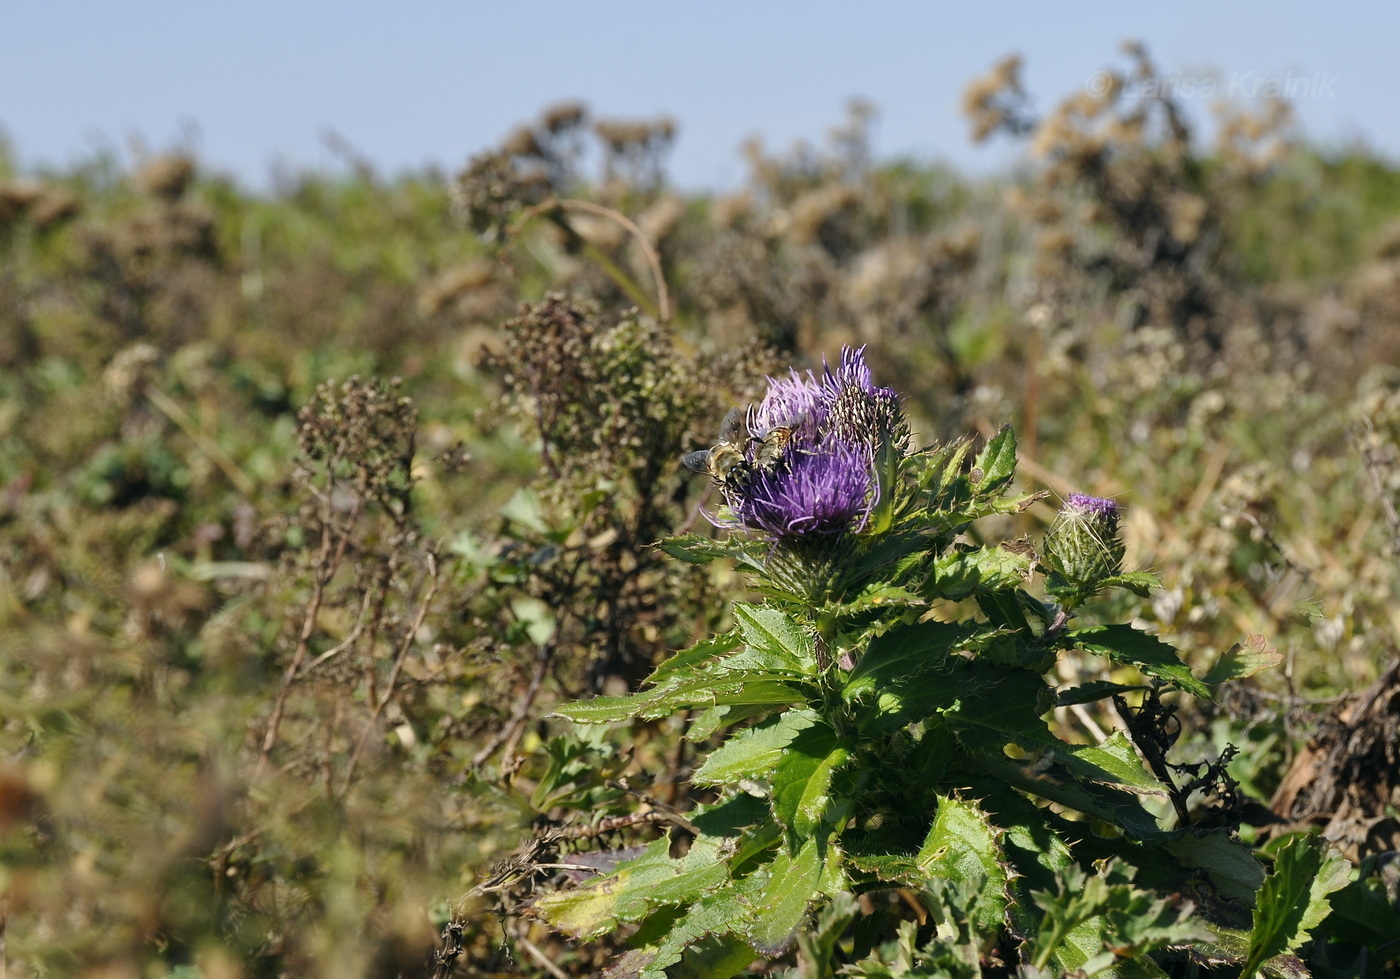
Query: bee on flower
point(809, 463)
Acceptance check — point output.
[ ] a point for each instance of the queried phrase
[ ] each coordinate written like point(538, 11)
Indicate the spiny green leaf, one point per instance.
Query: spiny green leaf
point(1243, 660)
point(1292, 901)
point(722, 915)
point(754, 752)
point(879, 598)
point(711, 719)
point(905, 652)
point(996, 462)
point(962, 845)
point(802, 779)
point(790, 884)
point(1140, 583)
point(1230, 865)
point(687, 692)
point(1113, 760)
point(783, 643)
point(1155, 658)
point(695, 549)
point(712, 957)
point(1092, 691)
point(1102, 801)
point(635, 888)
point(997, 705)
point(1101, 924)
point(959, 574)
point(702, 652)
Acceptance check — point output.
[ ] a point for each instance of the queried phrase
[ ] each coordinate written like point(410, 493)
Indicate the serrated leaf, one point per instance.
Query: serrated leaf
point(687, 659)
point(802, 779)
point(722, 913)
point(996, 461)
point(997, 705)
point(695, 549)
point(880, 598)
point(1114, 760)
point(686, 693)
point(779, 907)
point(636, 888)
point(1292, 901)
point(1152, 656)
point(713, 957)
point(959, 574)
point(1243, 660)
point(781, 641)
point(963, 846)
point(1092, 691)
point(754, 752)
point(1101, 924)
point(905, 652)
point(1231, 866)
point(711, 719)
point(1140, 583)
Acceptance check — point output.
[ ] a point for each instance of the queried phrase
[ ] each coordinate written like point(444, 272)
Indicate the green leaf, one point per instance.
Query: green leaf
point(1229, 864)
point(879, 598)
point(997, 706)
point(1140, 583)
point(1155, 658)
point(1113, 760)
point(819, 943)
point(636, 888)
point(702, 652)
point(1292, 901)
point(802, 780)
point(790, 884)
point(1093, 691)
point(905, 652)
point(963, 846)
point(695, 549)
point(780, 642)
point(958, 574)
point(754, 752)
point(1243, 660)
point(685, 693)
point(1100, 924)
point(711, 719)
point(716, 918)
point(996, 462)
point(712, 957)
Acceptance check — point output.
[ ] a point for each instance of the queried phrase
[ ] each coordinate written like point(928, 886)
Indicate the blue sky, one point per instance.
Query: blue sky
point(414, 83)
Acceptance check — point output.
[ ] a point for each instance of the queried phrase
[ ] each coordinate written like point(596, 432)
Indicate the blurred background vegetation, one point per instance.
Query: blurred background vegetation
point(313, 503)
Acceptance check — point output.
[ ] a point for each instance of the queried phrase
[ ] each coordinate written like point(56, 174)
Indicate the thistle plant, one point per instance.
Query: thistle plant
point(891, 781)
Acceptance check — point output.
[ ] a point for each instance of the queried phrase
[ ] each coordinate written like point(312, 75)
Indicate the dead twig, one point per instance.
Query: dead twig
point(662, 308)
point(327, 563)
point(404, 647)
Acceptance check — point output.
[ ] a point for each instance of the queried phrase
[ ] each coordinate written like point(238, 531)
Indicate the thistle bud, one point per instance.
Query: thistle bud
point(1082, 546)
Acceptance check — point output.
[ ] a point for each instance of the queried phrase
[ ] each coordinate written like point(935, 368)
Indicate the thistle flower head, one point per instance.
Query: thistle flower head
point(1083, 545)
point(820, 492)
point(811, 463)
point(796, 399)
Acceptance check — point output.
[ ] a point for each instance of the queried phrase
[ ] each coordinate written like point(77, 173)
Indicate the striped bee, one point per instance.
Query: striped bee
point(727, 457)
point(765, 450)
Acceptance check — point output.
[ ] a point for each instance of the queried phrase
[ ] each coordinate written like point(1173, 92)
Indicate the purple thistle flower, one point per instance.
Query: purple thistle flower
point(822, 492)
point(1095, 508)
point(791, 399)
point(809, 464)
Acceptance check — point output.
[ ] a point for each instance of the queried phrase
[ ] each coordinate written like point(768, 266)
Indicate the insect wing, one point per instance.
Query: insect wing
point(697, 461)
point(732, 428)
